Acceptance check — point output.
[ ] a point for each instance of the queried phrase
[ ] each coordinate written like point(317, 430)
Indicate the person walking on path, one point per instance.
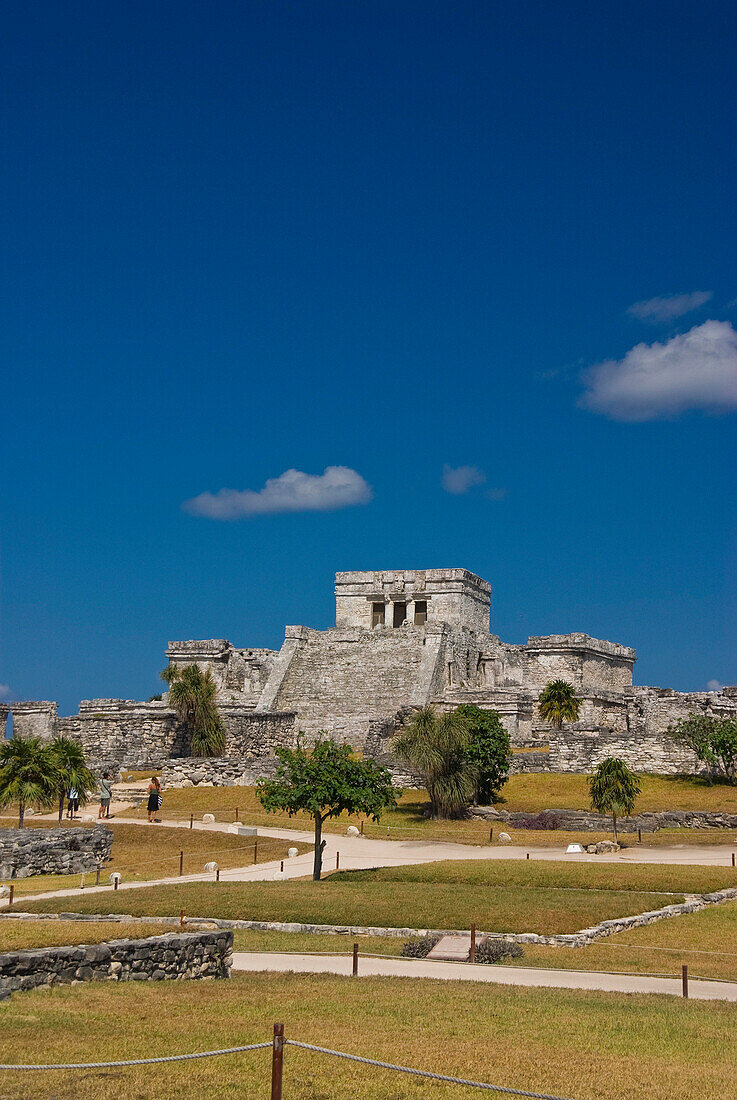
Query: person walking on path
point(106, 793)
point(154, 798)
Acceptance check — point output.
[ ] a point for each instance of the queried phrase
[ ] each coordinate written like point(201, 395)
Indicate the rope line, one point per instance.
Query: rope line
point(145, 1061)
point(421, 1072)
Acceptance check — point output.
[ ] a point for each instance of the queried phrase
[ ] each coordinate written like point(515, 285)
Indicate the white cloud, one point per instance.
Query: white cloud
point(667, 308)
point(714, 685)
point(496, 494)
point(293, 491)
point(695, 370)
point(4, 691)
point(460, 479)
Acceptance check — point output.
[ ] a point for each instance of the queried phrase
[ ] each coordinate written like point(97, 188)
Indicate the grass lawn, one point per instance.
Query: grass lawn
point(143, 852)
point(590, 1046)
point(17, 935)
point(529, 793)
point(657, 948)
point(497, 896)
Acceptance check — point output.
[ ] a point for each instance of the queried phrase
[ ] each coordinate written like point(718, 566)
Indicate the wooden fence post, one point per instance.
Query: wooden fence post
point(181, 863)
point(277, 1062)
point(191, 821)
point(684, 980)
point(472, 954)
point(355, 960)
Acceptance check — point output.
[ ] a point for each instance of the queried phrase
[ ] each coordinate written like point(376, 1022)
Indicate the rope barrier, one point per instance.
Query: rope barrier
point(421, 1072)
point(287, 1042)
point(142, 1061)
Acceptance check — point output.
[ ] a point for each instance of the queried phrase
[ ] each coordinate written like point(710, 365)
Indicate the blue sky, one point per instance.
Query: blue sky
point(395, 239)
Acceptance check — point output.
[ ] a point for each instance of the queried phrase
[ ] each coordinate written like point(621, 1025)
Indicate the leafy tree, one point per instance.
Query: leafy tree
point(558, 703)
point(72, 770)
point(712, 740)
point(436, 745)
point(613, 789)
point(28, 773)
point(488, 751)
point(192, 695)
point(326, 782)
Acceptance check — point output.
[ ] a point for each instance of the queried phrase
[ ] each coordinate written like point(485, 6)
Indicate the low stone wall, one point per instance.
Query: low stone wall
point(575, 750)
point(217, 771)
point(172, 956)
point(28, 851)
point(583, 821)
point(529, 762)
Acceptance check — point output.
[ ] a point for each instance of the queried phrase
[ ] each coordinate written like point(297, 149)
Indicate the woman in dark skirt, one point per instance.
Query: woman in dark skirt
point(154, 798)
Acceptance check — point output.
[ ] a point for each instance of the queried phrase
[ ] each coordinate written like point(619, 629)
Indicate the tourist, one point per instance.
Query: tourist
point(72, 802)
point(106, 793)
point(154, 799)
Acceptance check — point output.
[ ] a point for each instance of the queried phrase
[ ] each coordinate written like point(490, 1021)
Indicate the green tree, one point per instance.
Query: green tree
point(712, 740)
point(558, 703)
point(72, 770)
point(436, 745)
point(613, 789)
point(192, 695)
point(29, 773)
point(326, 782)
point(488, 751)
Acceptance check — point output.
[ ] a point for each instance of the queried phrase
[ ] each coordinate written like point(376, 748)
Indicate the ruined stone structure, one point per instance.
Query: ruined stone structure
point(403, 638)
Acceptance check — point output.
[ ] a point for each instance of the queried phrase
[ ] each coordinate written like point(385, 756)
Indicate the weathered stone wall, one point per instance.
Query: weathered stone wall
point(240, 674)
point(120, 733)
point(453, 596)
point(217, 771)
point(585, 662)
point(576, 750)
point(172, 956)
point(339, 680)
point(34, 718)
point(29, 851)
point(252, 734)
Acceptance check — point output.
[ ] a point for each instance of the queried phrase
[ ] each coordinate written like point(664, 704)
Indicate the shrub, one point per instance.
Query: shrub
point(495, 951)
point(419, 948)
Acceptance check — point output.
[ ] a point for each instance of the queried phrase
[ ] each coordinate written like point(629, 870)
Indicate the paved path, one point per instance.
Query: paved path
point(501, 975)
point(352, 853)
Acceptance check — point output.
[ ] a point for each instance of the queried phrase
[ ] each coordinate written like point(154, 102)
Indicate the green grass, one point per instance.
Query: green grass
point(590, 1046)
point(498, 897)
point(521, 874)
point(142, 852)
point(312, 943)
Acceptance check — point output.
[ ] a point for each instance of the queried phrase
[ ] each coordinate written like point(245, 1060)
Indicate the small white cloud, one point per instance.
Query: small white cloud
point(714, 685)
point(496, 494)
point(460, 479)
point(667, 308)
point(695, 370)
point(5, 691)
point(293, 491)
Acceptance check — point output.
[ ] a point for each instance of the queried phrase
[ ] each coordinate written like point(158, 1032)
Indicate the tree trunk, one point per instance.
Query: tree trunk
point(319, 847)
point(614, 821)
point(21, 814)
point(61, 804)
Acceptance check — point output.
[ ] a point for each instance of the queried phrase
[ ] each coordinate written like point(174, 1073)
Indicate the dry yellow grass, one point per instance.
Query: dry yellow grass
point(148, 852)
point(529, 793)
point(17, 935)
point(590, 1046)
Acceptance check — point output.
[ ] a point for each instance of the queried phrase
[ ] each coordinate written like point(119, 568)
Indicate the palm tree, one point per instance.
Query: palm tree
point(558, 703)
point(435, 745)
point(613, 789)
point(28, 773)
point(73, 770)
point(192, 695)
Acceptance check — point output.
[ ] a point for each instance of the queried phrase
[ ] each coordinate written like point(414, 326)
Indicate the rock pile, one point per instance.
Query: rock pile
point(25, 852)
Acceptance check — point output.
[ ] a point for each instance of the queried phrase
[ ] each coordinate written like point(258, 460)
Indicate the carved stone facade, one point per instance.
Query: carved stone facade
point(403, 638)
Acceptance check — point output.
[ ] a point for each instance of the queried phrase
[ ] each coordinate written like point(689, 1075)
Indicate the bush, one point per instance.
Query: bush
point(419, 948)
point(495, 951)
